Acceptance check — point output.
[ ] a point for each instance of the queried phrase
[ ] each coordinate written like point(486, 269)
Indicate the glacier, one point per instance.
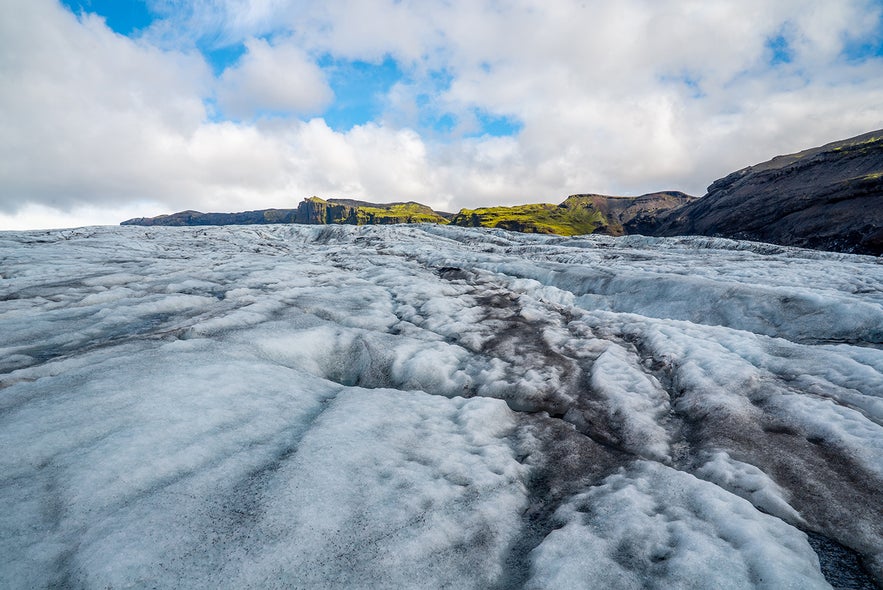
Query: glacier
point(422, 406)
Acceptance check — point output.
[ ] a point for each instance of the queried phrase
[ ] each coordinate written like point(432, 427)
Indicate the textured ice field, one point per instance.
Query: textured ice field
point(430, 407)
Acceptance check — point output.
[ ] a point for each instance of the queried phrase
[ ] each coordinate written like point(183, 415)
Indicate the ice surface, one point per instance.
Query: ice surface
point(431, 407)
point(652, 526)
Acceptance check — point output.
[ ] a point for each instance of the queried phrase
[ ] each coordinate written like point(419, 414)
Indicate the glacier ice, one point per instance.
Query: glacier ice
point(426, 406)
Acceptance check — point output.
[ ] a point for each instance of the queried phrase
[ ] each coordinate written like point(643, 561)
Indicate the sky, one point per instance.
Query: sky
point(111, 109)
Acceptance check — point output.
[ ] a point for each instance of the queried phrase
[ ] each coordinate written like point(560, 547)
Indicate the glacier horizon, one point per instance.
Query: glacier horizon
point(433, 406)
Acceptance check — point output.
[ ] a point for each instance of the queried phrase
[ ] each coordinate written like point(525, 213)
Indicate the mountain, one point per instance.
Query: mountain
point(578, 214)
point(311, 211)
point(826, 198)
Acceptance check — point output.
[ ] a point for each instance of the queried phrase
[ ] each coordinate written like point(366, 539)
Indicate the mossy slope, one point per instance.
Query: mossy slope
point(542, 218)
point(577, 215)
point(343, 211)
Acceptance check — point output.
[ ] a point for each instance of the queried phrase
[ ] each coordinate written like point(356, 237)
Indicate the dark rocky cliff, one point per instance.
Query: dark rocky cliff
point(319, 211)
point(827, 198)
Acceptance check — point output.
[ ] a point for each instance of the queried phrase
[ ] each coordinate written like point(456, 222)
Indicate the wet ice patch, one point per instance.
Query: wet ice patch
point(749, 482)
point(735, 296)
point(821, 420)
point(635, 401)
point(392, 489)
point(650, 526)
point(118, 460)
point(352, 356)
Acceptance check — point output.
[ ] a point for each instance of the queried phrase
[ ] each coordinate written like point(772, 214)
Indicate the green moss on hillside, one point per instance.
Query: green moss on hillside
point(278, 215)
point(542, 218)
point(398, 213)
point(861, 147)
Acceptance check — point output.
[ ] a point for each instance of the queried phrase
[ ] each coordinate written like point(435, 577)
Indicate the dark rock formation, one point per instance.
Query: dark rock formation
point(827, 198)
point(319, 211)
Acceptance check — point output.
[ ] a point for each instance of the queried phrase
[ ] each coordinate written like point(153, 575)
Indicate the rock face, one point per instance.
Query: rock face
point(316, 211)
point(826, 198)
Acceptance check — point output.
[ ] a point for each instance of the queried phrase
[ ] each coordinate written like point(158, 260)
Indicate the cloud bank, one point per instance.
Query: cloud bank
point(617, 98)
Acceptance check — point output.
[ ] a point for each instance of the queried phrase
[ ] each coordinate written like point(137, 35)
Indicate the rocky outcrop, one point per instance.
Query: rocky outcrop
point(827, 198)
point(315, 211)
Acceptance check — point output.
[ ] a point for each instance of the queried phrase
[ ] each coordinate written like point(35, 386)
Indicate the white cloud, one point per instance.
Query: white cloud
point(88, 116)
point(279, 79)
point(35, 216)
point(617, 97)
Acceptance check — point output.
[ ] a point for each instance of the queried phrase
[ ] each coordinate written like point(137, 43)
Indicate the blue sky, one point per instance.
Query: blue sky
point(359, 86)
point(359, 89)
point(244, 104)
point(125, 17)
